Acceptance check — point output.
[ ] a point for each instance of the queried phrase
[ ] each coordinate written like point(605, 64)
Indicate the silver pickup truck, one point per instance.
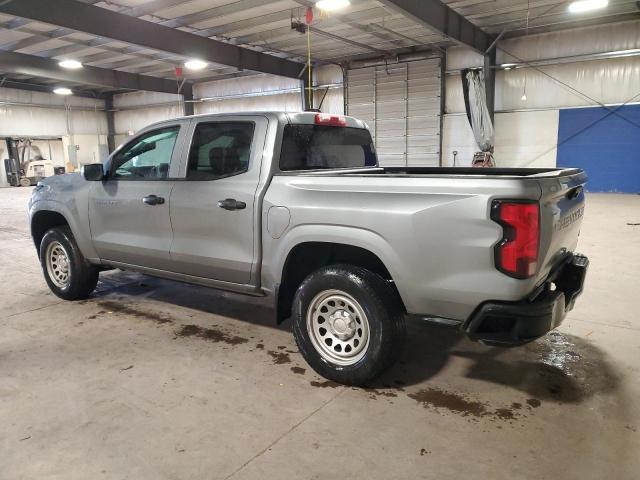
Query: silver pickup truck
point(294, 206)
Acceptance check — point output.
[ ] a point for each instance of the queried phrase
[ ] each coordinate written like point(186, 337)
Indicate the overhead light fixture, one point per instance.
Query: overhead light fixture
point(587, 5)
point(331, 5)
point(195, 64)
point(62, 91)
point(70, 64)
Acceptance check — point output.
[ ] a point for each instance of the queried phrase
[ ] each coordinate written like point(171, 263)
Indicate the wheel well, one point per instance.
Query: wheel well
point(305, 258)
point(42, 221)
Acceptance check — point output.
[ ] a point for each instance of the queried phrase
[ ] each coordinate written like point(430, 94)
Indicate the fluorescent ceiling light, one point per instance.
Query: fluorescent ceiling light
point(332, 4)
point(71, 64)
point(195, 64)
point(62, 91)
point(587, 5)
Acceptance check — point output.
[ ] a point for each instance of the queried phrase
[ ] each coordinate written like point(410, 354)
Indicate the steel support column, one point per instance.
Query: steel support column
point(111, 124)
point(490, 80)
point(187, 99)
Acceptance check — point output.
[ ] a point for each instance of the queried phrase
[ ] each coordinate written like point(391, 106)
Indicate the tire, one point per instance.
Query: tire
point(365, 328)
point(81, 277)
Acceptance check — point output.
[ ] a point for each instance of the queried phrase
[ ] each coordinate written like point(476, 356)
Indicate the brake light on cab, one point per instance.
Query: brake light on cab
point(516, 254)
point(330, 120)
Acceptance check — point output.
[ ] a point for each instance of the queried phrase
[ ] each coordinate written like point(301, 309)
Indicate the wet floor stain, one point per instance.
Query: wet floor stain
point(374, 393)
point(454, 402)
point(117, 307)
point(325, 384)
point(446, 401)
point(279, 358)
point(298, 370)
point(212, 334)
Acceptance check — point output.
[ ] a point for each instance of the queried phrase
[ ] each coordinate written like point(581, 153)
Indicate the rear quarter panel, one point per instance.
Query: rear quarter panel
point(433, 233)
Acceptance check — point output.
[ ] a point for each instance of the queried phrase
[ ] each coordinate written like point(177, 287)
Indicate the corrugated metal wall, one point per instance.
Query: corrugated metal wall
point(527, 129)
point(401, 104)
point(80, 122)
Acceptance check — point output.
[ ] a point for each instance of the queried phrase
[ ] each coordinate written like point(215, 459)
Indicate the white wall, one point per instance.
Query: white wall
point(522, 139)
point(24, 113)
point(526, 130)
point(136, 110)
point(77, 121)
point(334, 100)
point(243, 94)
point(251, 93)
point(268, 92)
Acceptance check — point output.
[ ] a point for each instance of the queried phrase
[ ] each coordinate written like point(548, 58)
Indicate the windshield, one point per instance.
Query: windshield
point(312, 147)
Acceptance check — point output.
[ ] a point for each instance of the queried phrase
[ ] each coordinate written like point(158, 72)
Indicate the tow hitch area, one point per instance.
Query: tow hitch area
point(510, 324)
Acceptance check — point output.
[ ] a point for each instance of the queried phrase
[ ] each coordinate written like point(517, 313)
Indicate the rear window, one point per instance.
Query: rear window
point(312, 147)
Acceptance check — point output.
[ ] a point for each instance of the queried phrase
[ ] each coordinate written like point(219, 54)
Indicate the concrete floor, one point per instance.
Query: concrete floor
point(151, 379)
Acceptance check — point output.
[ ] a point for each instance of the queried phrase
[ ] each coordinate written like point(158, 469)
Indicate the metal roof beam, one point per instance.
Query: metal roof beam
point(439, 17)
point(36, 87)
point(20, 63)
point(117, 26)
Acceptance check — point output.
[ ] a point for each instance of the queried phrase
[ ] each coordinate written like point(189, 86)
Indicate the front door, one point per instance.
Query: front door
point(212, 210)
point(129, 211)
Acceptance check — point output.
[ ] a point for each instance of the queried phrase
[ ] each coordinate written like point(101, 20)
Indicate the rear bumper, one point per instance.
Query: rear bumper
point(510, 324)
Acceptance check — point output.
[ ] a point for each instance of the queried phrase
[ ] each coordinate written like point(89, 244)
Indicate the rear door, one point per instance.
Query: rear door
point(129, 211)
point(213, 209)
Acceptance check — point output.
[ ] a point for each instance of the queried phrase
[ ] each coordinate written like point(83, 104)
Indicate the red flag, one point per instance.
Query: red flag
point(309, 15)
point(179, 72)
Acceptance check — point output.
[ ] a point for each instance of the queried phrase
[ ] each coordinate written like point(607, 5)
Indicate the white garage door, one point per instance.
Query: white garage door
point(401, 104)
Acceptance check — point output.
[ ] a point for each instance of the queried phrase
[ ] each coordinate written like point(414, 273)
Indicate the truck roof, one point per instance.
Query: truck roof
point(296, 118)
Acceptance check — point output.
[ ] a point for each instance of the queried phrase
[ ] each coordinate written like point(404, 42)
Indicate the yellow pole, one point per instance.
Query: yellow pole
point(309, 89)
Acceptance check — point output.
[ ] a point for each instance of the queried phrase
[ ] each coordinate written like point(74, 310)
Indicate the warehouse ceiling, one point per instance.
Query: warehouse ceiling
point(364, 29)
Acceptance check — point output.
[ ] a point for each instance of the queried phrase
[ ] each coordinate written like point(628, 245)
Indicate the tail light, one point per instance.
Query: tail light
point(516, 254)
point(330, 120)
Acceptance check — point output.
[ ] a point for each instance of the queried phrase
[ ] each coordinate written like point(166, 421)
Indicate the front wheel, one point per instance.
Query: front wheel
point(65, 269)
point(348, 323)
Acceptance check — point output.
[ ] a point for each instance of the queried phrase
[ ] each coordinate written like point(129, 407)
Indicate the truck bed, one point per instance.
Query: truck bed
point(448, 172)
point(432, 225)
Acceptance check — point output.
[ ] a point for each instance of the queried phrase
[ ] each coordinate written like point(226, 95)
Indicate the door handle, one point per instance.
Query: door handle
point(232, 204)
point(153, 200)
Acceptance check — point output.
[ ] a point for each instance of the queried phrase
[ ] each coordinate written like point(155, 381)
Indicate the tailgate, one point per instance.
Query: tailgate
point(561, 211)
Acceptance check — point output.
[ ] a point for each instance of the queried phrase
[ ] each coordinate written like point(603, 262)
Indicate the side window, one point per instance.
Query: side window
point(148, 157)
point(220, 149)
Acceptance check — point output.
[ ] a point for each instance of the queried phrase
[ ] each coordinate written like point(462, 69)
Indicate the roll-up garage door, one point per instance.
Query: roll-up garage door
point(401, 104)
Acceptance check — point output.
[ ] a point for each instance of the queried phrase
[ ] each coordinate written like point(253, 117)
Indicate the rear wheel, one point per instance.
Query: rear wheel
point(348, 323)
point(65, 269)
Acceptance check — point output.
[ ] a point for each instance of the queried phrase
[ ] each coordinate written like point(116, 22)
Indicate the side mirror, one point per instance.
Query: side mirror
point(93, 172)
